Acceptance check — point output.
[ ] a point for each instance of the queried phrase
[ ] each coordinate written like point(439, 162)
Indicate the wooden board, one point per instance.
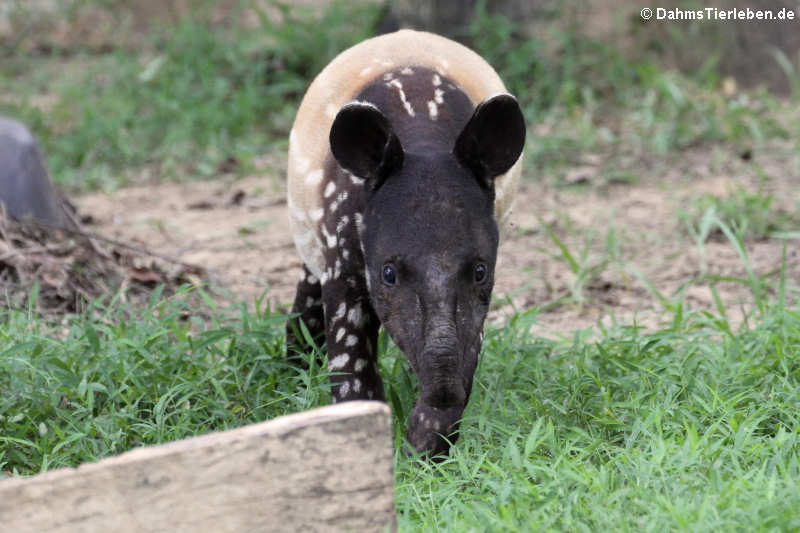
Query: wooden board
point(329, 469)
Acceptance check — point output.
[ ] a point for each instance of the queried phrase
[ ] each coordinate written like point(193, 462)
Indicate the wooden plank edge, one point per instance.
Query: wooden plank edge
point(271, 428)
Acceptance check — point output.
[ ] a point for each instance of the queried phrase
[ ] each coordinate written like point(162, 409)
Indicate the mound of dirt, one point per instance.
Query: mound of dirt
point(64, 269)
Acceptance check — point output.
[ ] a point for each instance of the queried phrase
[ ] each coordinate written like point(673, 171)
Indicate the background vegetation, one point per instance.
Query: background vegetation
point(192, 95)
point(694, 426)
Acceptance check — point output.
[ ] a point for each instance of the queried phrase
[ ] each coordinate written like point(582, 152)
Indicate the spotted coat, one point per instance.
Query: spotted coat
point(426, 87)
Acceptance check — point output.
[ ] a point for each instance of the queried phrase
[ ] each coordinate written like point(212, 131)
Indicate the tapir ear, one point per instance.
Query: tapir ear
point(363, 142)
point(493, 139)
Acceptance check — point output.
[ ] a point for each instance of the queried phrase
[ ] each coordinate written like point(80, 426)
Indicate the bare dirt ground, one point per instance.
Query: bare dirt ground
point(237, 230)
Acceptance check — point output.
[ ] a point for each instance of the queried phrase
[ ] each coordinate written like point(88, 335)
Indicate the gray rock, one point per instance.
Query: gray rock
point(25, 187)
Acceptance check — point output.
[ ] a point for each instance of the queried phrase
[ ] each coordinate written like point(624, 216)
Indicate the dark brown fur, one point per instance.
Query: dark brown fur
point(422, 205)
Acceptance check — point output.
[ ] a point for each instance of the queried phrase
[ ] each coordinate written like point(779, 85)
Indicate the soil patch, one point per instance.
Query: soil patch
point(66, 268)
point(632, 247)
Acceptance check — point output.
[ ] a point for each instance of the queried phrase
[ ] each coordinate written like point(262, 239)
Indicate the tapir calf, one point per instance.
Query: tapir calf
point(403, 162)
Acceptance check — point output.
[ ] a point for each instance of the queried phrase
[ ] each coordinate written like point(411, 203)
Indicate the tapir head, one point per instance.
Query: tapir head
point(430, 244)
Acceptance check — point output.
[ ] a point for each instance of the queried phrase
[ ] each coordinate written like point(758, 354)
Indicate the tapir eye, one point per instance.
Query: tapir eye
point(388, 275)
point(480, 273)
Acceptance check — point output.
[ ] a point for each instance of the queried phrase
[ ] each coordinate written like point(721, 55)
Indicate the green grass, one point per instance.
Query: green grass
point(751, 212)
point(190, 99)
point(193, 98)
point(582, 95)
point(129, 377)
point(693, 427)
point(684, 429)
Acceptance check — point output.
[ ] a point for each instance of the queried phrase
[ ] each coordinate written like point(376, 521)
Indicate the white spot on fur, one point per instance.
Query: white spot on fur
point(355, 180)
point(339, 361)
point(337, 269)
point(436, 80)
point(408, 71)
point(406, 103)
point(334, 205)
point(438, 96)
point(433, 110)
point(356, 385)
point(342, 223)
point(351, 340)
point(311, 278)
point(344, 389)
point(388, 76)
point(360, 364)
point(359, 219)
point(314, 177)
point(370, 394)
point(309, 302)
point(346, 256)
point(340, 311)
point(316, 214)
point(355, 315)
point(330, 240)
point(330, 188)
point(340, 334)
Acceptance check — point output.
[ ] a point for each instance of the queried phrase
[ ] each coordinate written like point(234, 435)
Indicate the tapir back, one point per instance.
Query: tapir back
point(338, 84)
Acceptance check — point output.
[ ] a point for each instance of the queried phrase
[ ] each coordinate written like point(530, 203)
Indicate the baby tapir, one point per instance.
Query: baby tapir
point(403, 161)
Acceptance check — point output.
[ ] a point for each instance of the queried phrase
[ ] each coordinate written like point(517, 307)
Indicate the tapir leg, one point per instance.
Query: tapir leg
point(351, 333)
point(308, 307)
